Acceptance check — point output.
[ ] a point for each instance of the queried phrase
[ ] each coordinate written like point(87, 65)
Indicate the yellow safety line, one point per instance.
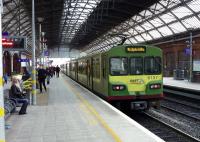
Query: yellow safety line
point(1, 81)
point(2, 141)
point(95, 113)
point(2, 113)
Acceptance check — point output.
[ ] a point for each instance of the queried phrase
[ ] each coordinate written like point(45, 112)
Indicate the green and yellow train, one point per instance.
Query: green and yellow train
point(126, 74)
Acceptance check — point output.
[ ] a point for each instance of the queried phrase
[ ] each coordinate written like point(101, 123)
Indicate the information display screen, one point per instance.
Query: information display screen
point(14, 43)
point(136, 49)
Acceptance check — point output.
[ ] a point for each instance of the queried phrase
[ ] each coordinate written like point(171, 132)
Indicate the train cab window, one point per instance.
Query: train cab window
point(136, 66)
point(152, 65)
point(119, 66)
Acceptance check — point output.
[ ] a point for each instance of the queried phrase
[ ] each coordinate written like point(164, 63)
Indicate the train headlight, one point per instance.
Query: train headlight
point(155, 86)
point(118, 87)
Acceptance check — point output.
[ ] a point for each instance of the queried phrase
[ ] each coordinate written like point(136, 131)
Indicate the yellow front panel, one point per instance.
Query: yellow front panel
point(134, 83)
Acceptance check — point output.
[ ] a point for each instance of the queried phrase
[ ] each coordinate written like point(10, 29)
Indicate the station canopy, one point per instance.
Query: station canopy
point(97, 25)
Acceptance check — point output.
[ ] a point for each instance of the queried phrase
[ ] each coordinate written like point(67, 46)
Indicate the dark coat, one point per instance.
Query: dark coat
point(15, 92)
point(42, 74)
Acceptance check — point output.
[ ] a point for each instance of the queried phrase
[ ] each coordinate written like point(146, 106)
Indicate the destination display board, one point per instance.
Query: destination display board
point(136, 49)
point(14, 43)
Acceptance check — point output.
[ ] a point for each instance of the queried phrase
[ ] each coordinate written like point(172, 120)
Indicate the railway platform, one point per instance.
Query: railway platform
point(181, 88)
point(183, 84)
point(72, 113)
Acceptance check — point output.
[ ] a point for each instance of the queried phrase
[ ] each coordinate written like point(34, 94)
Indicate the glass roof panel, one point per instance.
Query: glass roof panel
point(139, 38)
point(165, 31)
point(132, 40)
point(146, 36)
point(139, 29)
point(192, 22)
point(169, 3)
point(177, 27)
point(75, 14)
point(156, 22)
point(167, 18)
point(146, 13)
point(128, 41)
point(194, 5)
point(155, 34)
point(147, 26)
point(157, 8)
point(181, 12)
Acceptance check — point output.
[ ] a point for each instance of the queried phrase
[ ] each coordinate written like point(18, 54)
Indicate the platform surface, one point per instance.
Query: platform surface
point(73, 114)
point(169, 81)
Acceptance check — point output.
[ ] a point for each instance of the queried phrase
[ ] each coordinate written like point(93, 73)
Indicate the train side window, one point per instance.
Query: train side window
point(104, 68)
point(94, 68)
point(97, 68)
point(136, 66)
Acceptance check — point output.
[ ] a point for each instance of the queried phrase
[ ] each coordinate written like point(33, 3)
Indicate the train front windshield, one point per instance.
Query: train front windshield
point(119, 66)
point(137, 66)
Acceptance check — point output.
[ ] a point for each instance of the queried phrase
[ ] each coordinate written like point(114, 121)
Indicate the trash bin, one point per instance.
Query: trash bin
point(178, 74)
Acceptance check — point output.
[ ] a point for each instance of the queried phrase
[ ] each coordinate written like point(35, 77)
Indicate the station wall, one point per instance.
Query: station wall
point(177, 55)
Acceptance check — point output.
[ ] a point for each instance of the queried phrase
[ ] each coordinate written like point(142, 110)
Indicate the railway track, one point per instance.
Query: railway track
point(182, 109)
point(165, 131)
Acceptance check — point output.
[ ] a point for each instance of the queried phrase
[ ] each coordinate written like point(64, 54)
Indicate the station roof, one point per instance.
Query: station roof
point(97, 25)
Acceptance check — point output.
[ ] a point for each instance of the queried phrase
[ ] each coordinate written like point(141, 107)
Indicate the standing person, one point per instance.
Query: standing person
point(48, 72)
point(41, 78)
point(5, 77)
point(57, 71)
point(17, 94)
point(26, 75)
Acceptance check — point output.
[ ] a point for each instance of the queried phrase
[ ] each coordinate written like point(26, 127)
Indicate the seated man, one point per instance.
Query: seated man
point(17, 94)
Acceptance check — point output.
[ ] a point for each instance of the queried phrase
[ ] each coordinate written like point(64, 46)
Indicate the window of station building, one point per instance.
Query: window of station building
point(196, 54)
point(136, 66)
point(152, 65)
point(183, 60)
point(170, 60)
point(119, 66)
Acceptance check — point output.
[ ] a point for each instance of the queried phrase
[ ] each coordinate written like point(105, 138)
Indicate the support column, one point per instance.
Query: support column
point(2, 121)
point(191, 57)
point(33, 55)
point(11, 60)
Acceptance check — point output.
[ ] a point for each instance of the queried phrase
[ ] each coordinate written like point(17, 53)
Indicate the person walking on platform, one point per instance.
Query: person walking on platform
point(48, 75)
point(41, 78)
point(57, 71)
point(5, 77)
point(18, 95)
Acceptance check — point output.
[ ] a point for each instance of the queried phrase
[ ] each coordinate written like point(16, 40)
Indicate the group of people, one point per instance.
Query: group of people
point(42, 75)
point(46, 74)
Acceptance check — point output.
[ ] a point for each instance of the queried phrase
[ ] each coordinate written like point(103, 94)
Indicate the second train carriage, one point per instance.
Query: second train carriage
point(129, 74)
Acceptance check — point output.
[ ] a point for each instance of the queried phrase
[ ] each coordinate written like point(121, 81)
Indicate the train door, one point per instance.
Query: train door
point(104, 74)
point(76, 71)
point(88, 74)
point(92, 74)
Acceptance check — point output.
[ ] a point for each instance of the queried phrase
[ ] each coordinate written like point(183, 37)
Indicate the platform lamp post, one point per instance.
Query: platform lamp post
point(2, 121)
point(43, 46)
point(191, 55)
point(40, 20)
point(33, 55)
